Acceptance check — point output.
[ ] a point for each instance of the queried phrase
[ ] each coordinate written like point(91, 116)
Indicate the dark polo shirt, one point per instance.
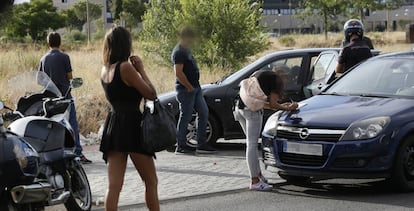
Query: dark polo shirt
point(181, 55)
point(56, 65)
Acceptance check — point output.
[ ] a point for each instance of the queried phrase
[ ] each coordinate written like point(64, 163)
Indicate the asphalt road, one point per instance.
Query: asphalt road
point(336, 195)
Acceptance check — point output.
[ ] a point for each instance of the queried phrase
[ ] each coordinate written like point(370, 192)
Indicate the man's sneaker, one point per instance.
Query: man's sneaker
point(184, 150)
point(84, 160)
point(261, 186)
point(206, 149)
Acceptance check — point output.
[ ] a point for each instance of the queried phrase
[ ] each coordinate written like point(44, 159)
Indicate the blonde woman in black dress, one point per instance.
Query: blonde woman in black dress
point(125, 84)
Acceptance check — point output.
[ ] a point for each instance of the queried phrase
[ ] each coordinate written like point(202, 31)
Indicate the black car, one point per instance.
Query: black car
point(306, 71)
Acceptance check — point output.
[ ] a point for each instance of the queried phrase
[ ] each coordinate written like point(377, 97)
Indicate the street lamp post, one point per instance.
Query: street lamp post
point(88, 22)
point(388, 19)
point(290, 16)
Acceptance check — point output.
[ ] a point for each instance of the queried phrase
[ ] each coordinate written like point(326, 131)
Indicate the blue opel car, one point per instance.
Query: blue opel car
point(361, 126)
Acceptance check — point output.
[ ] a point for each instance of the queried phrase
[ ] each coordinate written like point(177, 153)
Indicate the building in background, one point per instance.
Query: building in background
point(281, 17)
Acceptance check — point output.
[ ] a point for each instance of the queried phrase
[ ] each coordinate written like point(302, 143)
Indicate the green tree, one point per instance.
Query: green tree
point(95, 10)
point(328, 10)
point(228, 30)
point(130, 20)
point(5, 4)
point(136, 8)
point(360, 5)
point(34, 19)
point(117, 8)
point(5, 11)
point(72, 20)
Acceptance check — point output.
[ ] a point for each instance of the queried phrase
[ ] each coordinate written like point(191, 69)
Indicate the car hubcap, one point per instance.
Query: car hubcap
point(192, 132)
point(409, 162)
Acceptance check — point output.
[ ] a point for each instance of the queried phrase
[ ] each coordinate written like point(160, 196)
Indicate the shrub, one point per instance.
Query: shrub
point(287, 40)
point(98, 36)
point(229, 30)
point(76, 36)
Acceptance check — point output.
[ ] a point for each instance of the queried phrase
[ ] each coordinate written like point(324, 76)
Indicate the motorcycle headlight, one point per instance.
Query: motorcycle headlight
point(270, 128)
point(366, 129)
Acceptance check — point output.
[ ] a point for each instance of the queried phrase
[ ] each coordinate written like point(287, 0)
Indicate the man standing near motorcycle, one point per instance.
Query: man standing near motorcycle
point(57, 66)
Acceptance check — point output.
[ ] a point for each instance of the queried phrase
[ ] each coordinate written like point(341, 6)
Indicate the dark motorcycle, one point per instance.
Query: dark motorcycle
point(37, 165)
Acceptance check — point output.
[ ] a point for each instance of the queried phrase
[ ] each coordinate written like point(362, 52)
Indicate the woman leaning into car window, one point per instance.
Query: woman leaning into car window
point(251, 122)
point(125, 84)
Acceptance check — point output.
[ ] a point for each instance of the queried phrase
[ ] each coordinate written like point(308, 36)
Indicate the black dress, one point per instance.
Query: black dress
point(122, 130)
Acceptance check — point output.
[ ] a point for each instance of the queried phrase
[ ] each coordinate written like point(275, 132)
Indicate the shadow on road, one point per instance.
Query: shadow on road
point(223, 148)
point(376, 192)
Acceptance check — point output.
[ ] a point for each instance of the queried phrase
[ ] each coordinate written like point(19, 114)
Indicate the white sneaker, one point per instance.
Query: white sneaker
point(261, 186)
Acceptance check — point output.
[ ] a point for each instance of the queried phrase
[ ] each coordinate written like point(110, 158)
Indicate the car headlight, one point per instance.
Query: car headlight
point(270, 128)
point(366, 129)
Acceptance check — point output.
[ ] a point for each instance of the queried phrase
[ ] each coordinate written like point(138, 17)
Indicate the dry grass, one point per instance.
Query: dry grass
point(86, 61)
point(386, 42)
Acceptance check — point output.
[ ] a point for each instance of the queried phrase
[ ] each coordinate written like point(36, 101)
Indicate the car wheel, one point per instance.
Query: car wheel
point(212, 131)
point(295, 180)
point(402, 177)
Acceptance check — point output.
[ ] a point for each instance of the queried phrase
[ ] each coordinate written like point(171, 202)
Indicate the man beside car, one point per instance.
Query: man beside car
point(57, 66)
point(357, 50)
point(189, 95)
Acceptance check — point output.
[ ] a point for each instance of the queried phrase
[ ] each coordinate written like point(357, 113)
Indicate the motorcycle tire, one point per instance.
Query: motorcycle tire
point(81, 196)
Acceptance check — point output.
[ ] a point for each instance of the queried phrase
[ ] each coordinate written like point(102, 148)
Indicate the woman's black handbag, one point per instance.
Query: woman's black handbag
point(158, 128)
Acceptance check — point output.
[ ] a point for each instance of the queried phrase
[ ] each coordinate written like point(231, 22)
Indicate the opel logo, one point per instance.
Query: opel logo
point(304, 133)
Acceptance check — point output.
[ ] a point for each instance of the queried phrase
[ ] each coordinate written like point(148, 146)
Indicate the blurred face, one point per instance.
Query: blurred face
point(187, 41)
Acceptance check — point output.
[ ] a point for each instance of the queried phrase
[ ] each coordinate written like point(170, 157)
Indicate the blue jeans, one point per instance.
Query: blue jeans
point(74, 124)
point(190, 101)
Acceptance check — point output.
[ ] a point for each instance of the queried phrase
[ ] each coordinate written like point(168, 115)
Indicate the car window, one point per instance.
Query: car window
point(288, 68)
point(322, 65)
point(313, 59)
point(245, 70)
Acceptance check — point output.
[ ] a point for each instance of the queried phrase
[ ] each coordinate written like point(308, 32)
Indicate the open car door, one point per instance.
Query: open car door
point(322, 73)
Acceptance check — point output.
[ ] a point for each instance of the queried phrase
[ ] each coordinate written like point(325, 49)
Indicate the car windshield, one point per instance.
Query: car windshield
point(237, 75)
point(28, 83)
point(388, 77)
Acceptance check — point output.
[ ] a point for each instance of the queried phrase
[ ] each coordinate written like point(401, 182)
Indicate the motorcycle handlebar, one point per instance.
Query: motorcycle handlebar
point(11, 116)
point(57, 100)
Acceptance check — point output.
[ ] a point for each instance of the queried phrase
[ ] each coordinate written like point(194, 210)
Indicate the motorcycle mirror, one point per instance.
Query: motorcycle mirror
point(1, 105)
point(76, 83)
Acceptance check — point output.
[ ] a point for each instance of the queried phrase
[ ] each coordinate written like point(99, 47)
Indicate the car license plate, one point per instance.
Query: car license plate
point(303, 149)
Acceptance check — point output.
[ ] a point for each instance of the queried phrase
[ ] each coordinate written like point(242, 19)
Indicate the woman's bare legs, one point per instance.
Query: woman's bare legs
point(146, 169)
point(117, 162)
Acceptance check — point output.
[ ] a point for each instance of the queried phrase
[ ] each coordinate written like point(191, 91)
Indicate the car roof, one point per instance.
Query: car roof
point(406, 55)
point(300, 51)
point(307, 50)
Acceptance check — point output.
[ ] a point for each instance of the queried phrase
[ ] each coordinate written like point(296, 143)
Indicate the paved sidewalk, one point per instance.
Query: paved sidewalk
point(179, 175)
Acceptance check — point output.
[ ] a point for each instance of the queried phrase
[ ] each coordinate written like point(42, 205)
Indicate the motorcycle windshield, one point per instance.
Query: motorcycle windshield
point(30, 83)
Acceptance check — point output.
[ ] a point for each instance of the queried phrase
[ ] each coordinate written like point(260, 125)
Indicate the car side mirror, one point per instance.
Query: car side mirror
point(76, 83)
point(1, 105)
